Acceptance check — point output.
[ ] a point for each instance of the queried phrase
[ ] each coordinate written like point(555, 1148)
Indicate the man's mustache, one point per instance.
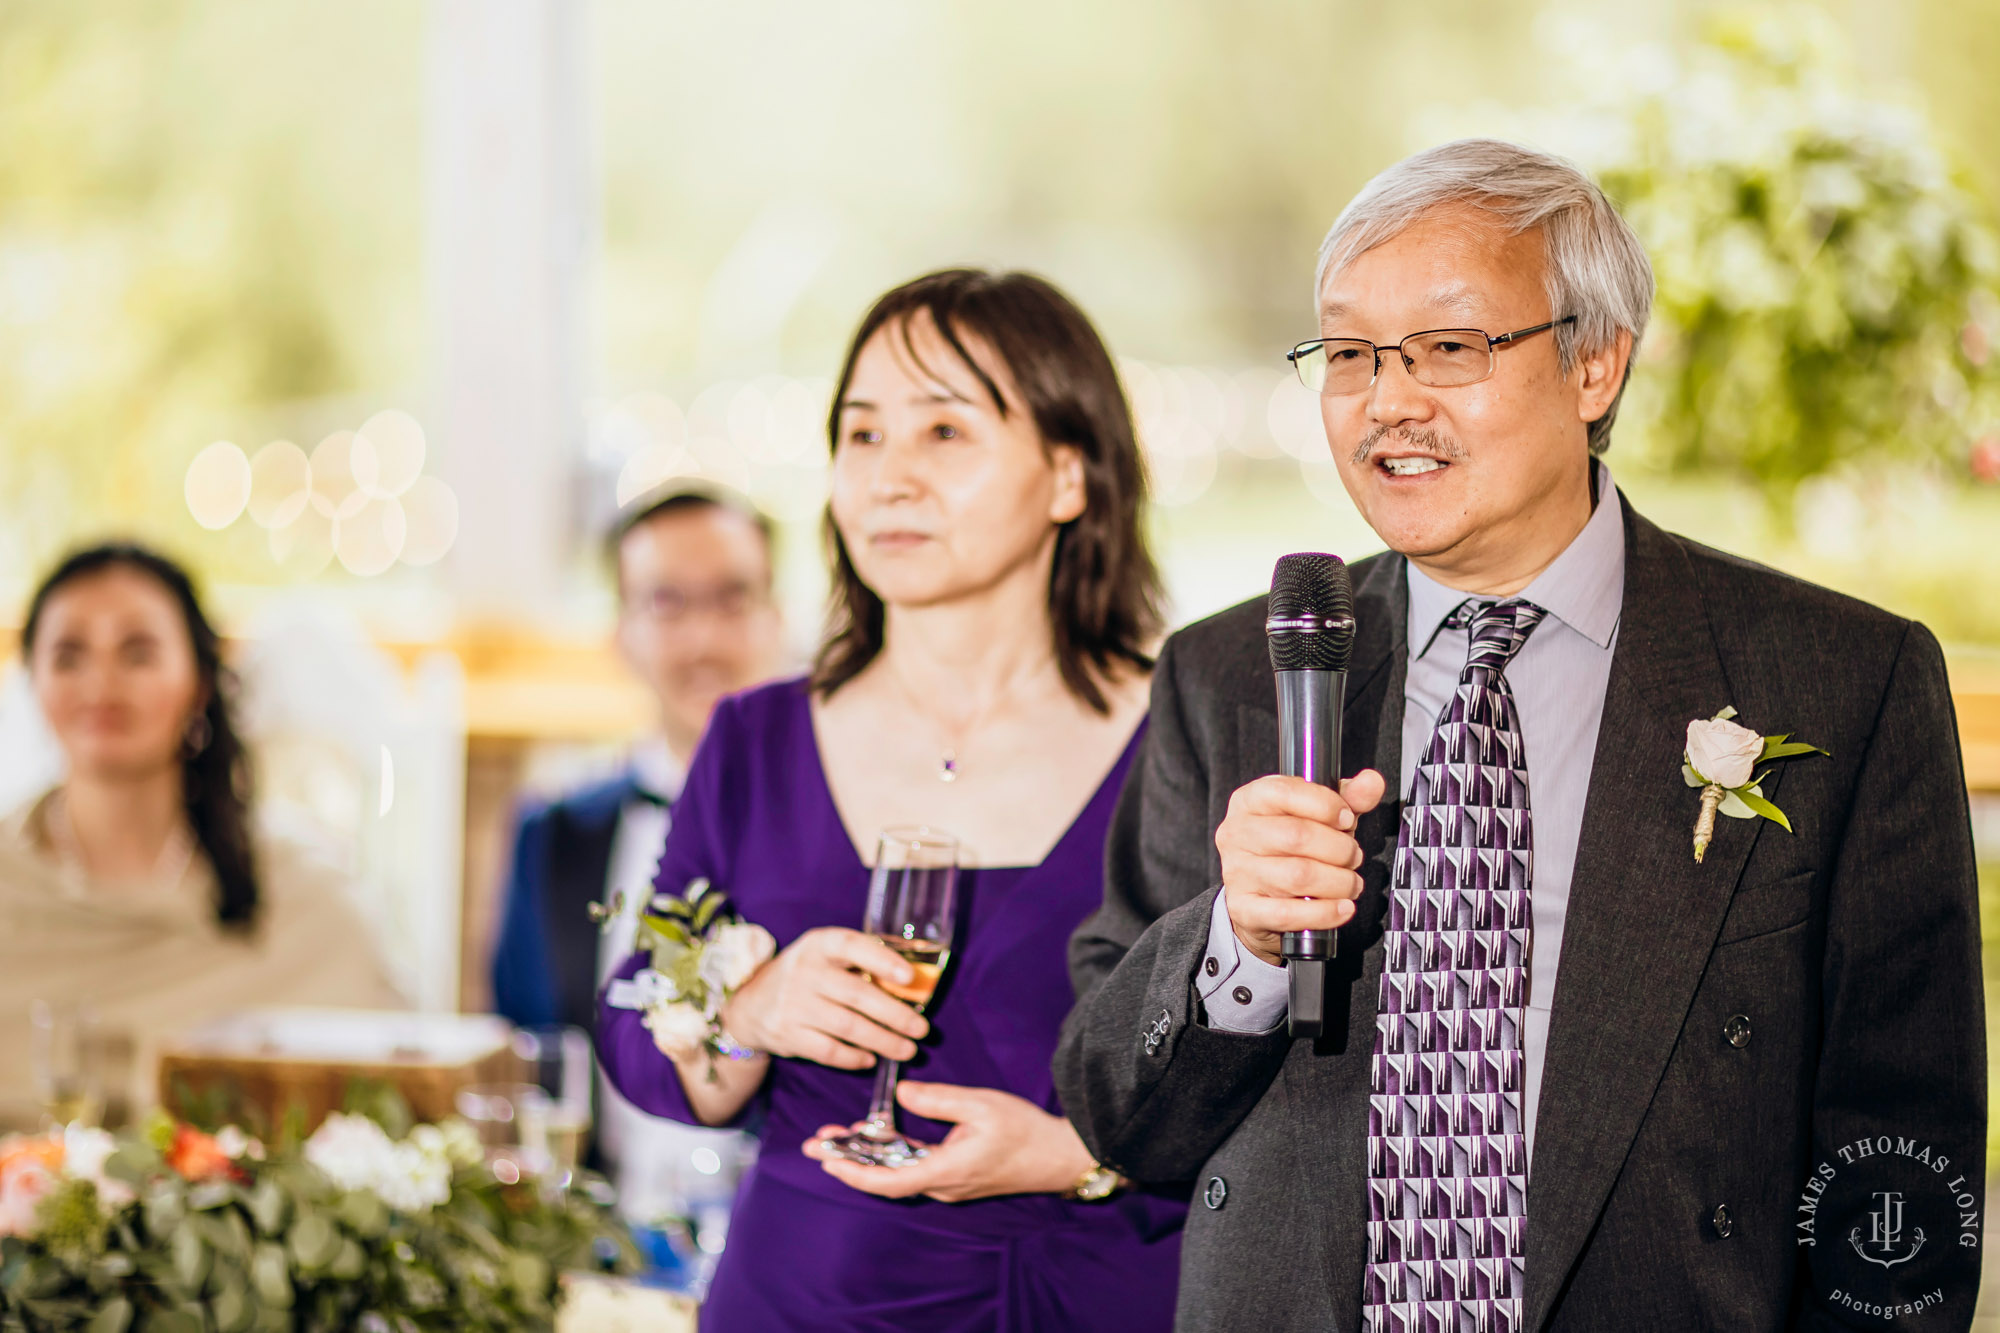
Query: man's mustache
point(1442, 446)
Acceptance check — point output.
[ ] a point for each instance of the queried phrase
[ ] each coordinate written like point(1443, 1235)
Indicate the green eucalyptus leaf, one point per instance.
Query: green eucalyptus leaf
point(1759, 805)
point(268, 1206)
point(528, 1272)
point(271, 1275)
point(351, 1262)
point(114, 1316)
point(231, 1307)
point(190, 1258)
point(133, 1162)
point(41, 1277)
point(164, 1207)
point(313, 1241)
point(177, 1320)
point(210, 1194)
point(110, 1269)
point(1787, 750)
point(364, 1213)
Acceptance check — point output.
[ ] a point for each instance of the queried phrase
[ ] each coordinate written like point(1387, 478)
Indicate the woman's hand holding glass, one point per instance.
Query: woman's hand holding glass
point(819, 1000)
point(999, 1144)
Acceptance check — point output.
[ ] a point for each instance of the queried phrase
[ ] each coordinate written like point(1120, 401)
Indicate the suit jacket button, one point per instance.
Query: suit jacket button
point(1723, 1222)
point(1217, 1192)
point(1736, 1031)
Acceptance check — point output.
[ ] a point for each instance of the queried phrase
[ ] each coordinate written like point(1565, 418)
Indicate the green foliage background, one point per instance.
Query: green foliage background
point(1826, 282)
point(212, 216)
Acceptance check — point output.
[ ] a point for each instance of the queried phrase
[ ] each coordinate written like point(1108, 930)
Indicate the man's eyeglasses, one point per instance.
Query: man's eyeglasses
point(1436, 358)
point(671, 606)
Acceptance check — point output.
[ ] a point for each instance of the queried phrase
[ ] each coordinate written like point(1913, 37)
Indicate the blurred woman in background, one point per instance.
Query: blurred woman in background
point(986, 673)
point(138, 887)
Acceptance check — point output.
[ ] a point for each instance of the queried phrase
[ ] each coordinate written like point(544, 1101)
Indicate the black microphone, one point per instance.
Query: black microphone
point(1310, 625)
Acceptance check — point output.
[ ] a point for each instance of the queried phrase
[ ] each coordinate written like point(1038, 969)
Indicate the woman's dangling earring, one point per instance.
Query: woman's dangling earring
point(197, 736)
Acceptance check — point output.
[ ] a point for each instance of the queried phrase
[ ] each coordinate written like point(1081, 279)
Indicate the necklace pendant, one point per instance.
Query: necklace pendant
point(948, 767)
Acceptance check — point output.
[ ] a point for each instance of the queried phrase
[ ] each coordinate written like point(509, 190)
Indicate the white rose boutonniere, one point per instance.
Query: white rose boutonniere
point(1722, 759)
point(702, 955)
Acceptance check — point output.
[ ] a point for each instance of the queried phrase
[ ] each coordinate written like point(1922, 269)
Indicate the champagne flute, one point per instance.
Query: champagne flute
point(558, 1059)
point(911, 904)
point(66, 1046)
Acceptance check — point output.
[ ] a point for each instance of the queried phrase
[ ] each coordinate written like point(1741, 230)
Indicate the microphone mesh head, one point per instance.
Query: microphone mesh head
point(1314, 588)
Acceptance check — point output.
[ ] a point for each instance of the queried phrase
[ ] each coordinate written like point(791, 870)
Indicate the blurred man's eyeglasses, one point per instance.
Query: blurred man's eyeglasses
point(1436, 358)
point(672, 606)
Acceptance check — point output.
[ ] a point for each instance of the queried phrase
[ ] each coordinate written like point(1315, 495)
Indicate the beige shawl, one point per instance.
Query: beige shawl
point(150, 960)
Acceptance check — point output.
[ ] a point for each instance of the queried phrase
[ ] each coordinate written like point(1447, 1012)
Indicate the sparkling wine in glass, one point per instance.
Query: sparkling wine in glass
point(912, 899)
point(69, 1083)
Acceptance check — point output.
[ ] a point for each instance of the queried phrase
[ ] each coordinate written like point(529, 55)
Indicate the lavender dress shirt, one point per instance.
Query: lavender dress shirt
point(1558, 679)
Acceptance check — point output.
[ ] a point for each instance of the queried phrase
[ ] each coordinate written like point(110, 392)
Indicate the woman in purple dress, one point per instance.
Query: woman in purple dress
point(985, 673)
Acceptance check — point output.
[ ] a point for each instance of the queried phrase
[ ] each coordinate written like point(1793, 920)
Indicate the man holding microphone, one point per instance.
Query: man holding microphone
point(1657, 997)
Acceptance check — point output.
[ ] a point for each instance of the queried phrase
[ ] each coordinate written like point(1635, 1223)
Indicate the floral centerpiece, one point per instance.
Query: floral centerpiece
point(168, 1229)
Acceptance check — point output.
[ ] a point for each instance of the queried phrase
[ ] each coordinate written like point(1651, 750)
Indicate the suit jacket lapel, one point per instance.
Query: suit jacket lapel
point(1642, 915)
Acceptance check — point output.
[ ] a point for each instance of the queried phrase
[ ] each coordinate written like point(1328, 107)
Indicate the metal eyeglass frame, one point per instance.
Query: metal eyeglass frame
point(1305, 348)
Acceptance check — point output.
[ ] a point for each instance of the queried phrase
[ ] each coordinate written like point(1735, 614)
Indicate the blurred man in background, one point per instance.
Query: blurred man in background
point(696, 621)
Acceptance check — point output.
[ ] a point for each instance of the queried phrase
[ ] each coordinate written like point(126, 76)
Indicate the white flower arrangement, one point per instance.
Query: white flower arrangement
point(411, 1176)
point(702, 954)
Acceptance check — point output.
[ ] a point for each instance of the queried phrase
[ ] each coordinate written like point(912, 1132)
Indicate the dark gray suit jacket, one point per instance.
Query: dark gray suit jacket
point(1719, 1030)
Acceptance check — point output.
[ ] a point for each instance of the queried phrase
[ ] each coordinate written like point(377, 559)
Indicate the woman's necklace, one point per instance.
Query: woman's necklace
point(949, 767)
point(176, 853)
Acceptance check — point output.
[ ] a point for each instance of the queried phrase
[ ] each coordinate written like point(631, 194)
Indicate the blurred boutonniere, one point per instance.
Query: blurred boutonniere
point(1722, 759)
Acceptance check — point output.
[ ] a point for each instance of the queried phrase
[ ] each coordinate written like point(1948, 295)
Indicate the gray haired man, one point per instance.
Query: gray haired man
point(1575, 1076)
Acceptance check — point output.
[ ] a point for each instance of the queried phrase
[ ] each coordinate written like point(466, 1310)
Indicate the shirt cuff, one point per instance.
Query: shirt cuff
point(1240, 992)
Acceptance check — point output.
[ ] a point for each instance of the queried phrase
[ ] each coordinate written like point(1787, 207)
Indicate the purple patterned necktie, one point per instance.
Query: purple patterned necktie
point(1447, 1159)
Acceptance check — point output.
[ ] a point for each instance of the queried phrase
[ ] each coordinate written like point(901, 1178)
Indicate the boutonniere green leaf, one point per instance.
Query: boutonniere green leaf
point(1722, 759)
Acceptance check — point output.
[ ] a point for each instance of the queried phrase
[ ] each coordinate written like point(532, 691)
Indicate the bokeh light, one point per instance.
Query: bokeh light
point(430, 511)
point(370, 537)
point(303, 546)
point(336, 490)
point(280, 484)
point(218, 485)
point(388, 454)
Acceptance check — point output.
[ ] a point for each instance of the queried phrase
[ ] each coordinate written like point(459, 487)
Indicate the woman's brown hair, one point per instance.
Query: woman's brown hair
point(1104, 590)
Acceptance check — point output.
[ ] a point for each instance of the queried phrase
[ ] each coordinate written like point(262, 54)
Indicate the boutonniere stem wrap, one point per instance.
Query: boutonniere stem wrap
point(702, 954)
point(1721, 759)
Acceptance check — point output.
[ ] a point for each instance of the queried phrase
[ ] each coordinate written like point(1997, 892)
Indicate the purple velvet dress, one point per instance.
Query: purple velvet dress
point(805, 1251)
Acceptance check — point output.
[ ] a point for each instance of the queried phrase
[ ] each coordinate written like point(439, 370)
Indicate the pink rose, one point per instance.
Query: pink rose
point(1722, 752)
point(24, 1183)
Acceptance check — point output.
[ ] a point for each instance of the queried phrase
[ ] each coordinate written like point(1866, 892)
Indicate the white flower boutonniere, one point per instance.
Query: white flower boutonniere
point(1722, 759)
point(702, 955)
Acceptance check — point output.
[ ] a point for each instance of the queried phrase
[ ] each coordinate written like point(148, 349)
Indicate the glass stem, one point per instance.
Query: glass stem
point(882, 1107)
